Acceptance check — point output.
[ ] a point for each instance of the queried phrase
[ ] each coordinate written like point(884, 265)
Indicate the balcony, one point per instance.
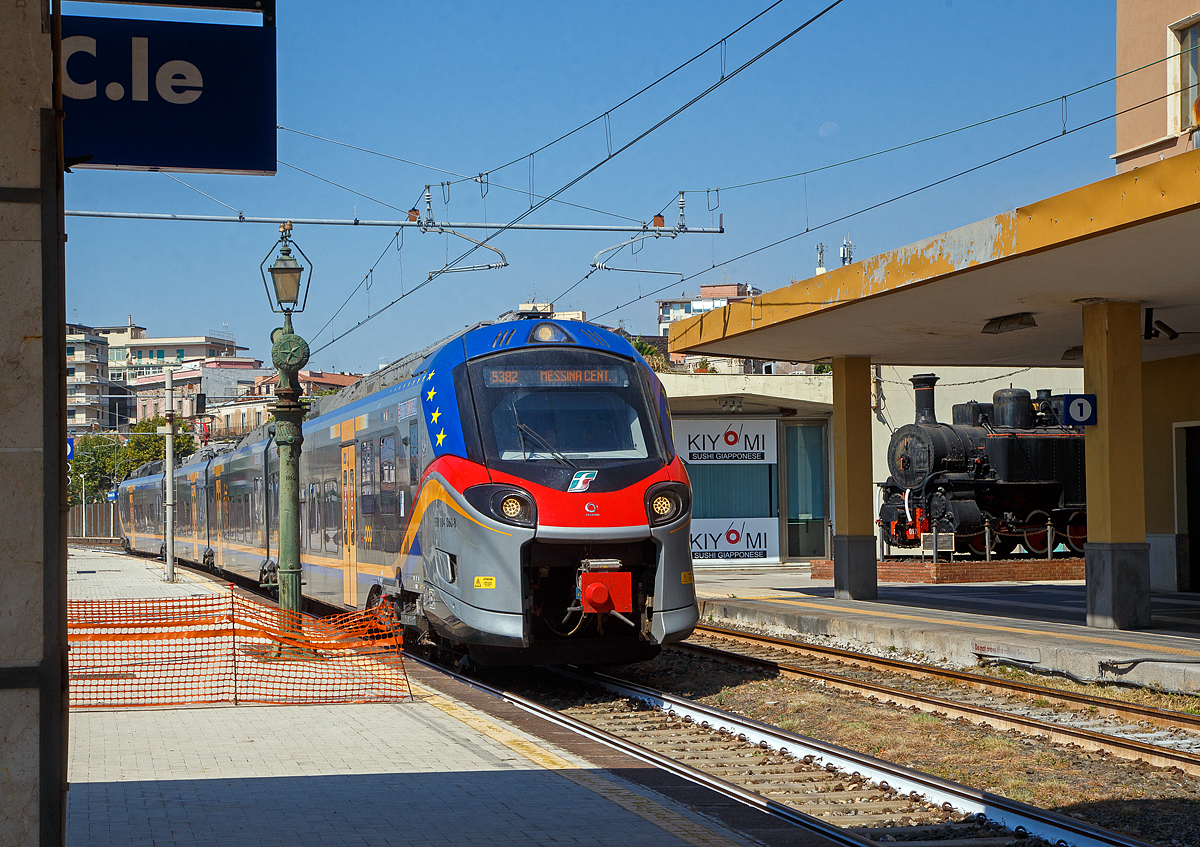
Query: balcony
point(87, 379)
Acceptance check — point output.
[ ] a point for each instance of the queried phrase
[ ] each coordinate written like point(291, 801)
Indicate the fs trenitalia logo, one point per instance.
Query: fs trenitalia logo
point(581, 480)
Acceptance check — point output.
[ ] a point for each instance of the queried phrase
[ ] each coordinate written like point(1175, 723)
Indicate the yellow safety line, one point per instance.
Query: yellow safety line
point(672, 822)
point(943, 622)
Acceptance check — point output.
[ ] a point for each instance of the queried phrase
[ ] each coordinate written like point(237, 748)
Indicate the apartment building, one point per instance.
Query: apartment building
point(133, 354)
point(88, 400)
point(220, 380)
point(1158, 50)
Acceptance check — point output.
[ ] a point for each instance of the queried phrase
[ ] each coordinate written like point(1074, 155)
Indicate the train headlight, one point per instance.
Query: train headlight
point(504, 503)
point(666, 502)
point(511, 507)
point(548, 333)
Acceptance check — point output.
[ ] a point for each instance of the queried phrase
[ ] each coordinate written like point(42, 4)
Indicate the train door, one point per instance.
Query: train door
point(220, 527)
point(196, 523)
point(349, 530)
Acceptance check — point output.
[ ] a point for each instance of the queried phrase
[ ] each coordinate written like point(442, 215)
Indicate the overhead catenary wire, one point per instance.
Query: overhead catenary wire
point(890, 200)
point(483, 178)
point(1059, 98)
point(343, 187)
point(198, 191)
point(907, 384)
point(678, 111)
point(605, 115)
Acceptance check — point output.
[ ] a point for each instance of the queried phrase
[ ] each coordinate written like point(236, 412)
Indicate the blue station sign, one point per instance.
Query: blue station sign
point(162, 95)
point(1079, 409)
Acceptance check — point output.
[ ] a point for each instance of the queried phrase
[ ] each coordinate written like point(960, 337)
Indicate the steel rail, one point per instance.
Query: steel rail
point(1087, 739)
point(1104, 705)
point(430, 225)
point(835, 834)
point(1015, 815)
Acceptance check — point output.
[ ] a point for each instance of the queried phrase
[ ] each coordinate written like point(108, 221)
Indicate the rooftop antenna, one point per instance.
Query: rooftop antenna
point(820, 258)
point(847, 250)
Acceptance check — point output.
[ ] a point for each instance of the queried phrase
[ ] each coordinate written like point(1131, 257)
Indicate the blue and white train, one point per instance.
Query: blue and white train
point(514, 491)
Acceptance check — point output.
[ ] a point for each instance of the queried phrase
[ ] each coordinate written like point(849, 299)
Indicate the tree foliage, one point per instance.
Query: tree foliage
point(656, 360)
point(103, 460)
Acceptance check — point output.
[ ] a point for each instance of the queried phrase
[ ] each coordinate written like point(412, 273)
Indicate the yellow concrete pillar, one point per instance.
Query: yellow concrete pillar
point(854, 563)
point(1117, 556)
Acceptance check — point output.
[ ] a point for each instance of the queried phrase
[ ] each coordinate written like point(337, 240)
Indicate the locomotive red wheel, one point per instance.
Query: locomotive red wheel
point(976, 545)
point(1077, 532)
point(1035, 539)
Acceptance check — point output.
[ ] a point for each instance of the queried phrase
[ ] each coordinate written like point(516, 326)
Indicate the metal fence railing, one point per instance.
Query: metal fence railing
point(94, 520)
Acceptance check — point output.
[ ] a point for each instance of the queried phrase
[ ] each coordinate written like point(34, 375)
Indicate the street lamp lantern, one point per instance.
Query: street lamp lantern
point(287, 274)
point(289, 353)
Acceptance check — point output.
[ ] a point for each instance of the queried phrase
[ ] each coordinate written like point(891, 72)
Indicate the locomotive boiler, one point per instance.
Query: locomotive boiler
point(1006, 472)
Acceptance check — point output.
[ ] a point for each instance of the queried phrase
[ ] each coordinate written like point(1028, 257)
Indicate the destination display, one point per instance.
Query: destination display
point(541, 377)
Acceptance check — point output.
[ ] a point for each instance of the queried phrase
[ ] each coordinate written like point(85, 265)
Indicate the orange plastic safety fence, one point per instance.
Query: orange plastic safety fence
point(221, 648)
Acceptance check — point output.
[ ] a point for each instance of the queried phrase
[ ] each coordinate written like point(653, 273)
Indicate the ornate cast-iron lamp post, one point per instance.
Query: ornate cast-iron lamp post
point(289, 353)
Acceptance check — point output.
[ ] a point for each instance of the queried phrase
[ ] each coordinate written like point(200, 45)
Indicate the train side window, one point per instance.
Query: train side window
point(275, 501)
point(257, 519)
point(414, 457)
point(333, 516)
point(314, 516)
point(387, 475)
point(366, 476)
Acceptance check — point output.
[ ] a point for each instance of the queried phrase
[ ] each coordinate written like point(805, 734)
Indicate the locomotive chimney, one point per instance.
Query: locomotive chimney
point(923, 387)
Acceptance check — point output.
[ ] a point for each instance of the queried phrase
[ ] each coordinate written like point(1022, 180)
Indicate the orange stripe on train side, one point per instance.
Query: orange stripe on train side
point(430, 492)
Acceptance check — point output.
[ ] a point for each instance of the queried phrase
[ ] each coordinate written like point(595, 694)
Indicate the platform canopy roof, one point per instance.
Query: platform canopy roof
point(1132, 237)
point(758, 394)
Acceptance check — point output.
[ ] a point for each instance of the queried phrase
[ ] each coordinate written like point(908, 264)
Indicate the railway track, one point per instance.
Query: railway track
point(847, 797)
point(1176, 743)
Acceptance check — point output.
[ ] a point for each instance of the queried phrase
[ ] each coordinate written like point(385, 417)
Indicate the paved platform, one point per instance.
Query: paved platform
point(1039, 624)
point(451, 767)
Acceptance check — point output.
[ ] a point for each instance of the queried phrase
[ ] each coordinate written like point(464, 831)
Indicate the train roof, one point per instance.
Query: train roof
point(477, 341)
point(396, 372)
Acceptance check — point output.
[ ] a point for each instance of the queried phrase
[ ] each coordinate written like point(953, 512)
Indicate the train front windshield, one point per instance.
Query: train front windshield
point(563, 407)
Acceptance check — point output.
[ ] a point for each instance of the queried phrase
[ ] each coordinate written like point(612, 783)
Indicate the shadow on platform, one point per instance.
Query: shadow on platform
point(511, 806)
point(1040, 602)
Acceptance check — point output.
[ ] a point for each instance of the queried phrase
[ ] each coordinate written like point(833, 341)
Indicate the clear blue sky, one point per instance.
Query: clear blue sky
point(469, 86)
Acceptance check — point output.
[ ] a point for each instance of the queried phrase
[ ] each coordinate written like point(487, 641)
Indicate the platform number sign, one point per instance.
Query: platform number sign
point(1079, 409)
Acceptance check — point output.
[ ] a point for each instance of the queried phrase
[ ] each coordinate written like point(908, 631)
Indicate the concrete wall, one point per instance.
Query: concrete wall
point(32, 437)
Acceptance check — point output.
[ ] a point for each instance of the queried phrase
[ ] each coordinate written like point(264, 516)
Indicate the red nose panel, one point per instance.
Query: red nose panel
point(605, 592)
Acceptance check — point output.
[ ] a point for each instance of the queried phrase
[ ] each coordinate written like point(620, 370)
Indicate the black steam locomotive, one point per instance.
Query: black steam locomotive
point(1005, 473)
